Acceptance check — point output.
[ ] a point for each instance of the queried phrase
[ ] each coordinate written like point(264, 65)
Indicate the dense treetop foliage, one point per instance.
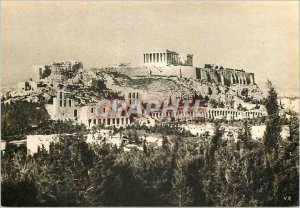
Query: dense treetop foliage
point(22, 118)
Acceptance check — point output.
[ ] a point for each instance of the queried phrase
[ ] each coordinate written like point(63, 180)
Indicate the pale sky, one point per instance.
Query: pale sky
point(260, 37)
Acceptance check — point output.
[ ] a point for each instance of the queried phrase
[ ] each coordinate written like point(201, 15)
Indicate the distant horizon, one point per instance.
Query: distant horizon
point(259, 37)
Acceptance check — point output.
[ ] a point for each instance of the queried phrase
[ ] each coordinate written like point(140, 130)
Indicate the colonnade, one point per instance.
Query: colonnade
point(241, 79)
point(211, 114)
point(111, 121)
point(165, 57)
point(219, 76)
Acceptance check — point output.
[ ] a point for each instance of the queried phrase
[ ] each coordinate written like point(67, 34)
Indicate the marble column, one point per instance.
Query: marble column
point(167, 58)
point(236, 79)
point(222, 79)
point(252, 78)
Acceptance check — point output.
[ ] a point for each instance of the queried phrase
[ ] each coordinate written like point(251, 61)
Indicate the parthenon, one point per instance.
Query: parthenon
point(164, 58)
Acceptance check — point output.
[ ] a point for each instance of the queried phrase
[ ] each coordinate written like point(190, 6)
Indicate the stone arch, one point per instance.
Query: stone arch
point(237, 81)
point(75, 113)
point(208, 77)
point(240, 80)
point(232, 80)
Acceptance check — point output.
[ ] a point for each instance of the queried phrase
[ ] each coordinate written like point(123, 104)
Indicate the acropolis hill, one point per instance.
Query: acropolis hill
point(71, 91)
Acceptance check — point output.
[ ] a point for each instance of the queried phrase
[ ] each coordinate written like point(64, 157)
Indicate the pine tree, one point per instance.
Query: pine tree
point(216, 140)
point(181, 194)
point(195, 179)
point(165, 143)
point(273, 127)
point(136, 137)
point(145, 150)
point(287, 186)
point(245, 133)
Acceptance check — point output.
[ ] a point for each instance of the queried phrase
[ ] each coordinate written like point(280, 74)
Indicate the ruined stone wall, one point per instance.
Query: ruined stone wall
point(90, 118)
point(64, 108)
point(58, 71)
point(179, 71)
point(213, 113)
point(224, 76)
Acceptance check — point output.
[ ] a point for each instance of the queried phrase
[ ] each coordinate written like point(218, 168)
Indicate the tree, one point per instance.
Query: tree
point(181, 193)
point(145, 150)
point(245, 133)
point(216, 140)
point(21, 193)
point(287, 180)
point(273, 127)
point(21, 117)
point(136, 138)
point(193, 172)
point(165, 143)
point(195, 179)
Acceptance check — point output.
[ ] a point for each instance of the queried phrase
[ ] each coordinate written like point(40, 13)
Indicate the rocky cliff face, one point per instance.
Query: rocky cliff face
point(126, 80)
point(150, 83)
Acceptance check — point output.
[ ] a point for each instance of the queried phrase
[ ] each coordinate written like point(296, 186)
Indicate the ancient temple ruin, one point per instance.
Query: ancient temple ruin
point(167, 58)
